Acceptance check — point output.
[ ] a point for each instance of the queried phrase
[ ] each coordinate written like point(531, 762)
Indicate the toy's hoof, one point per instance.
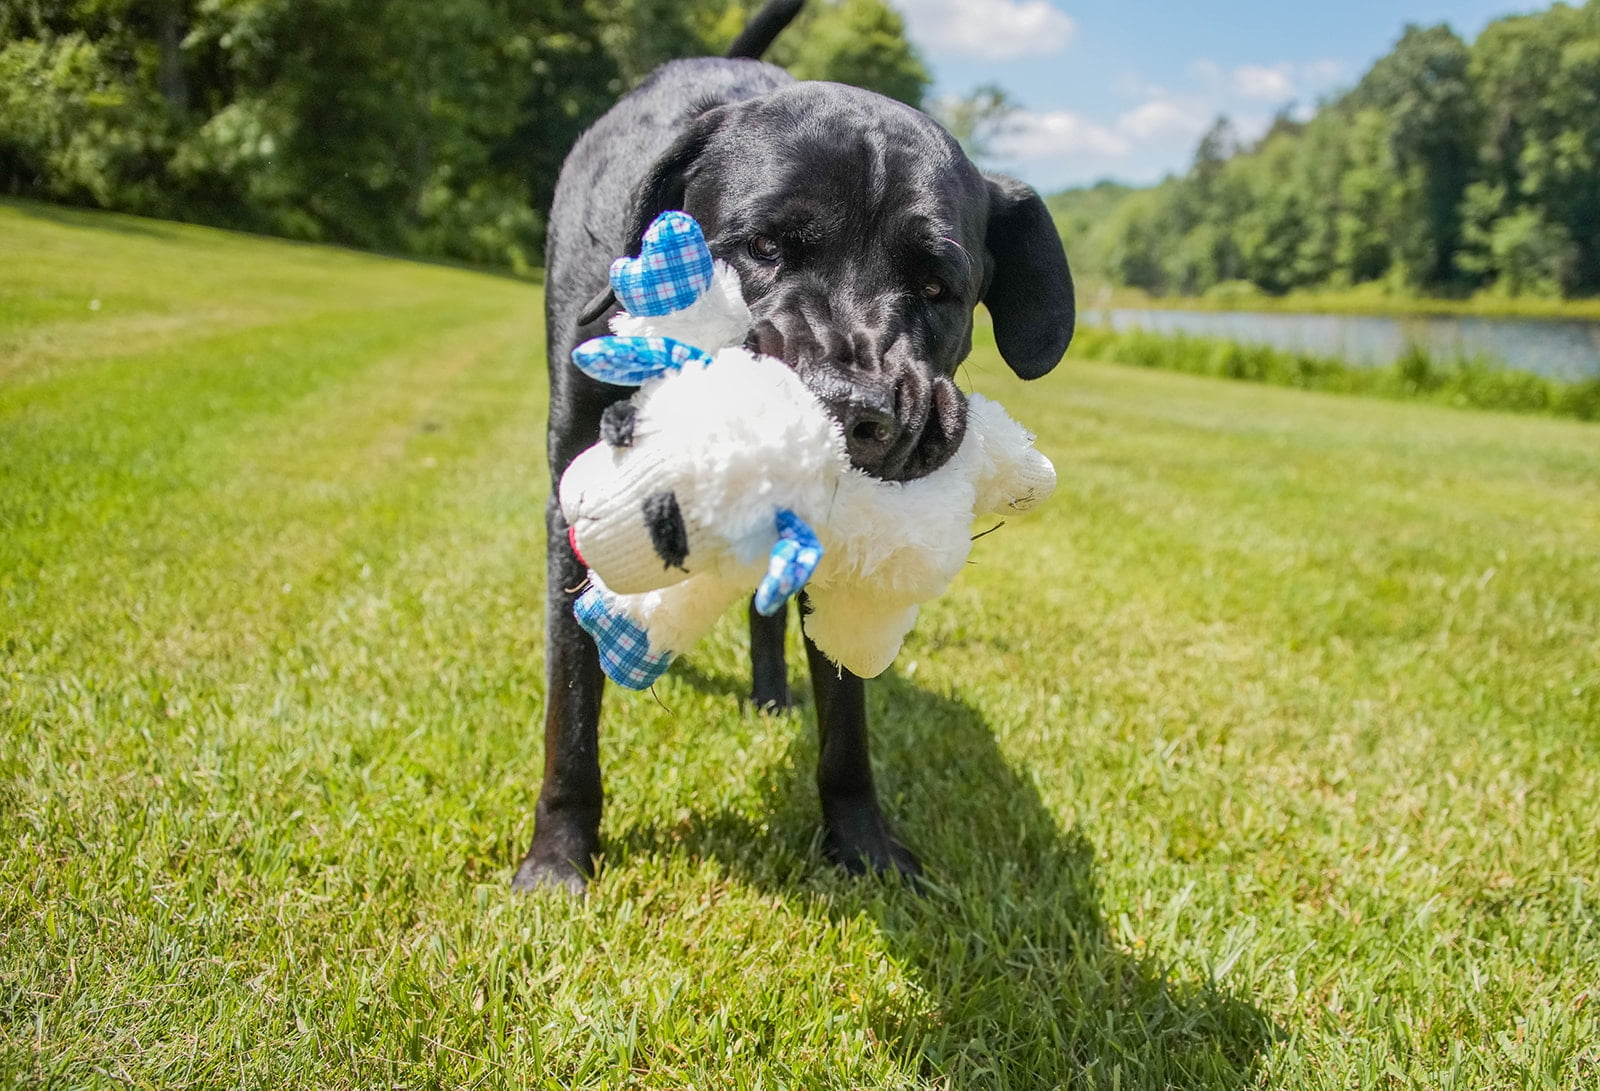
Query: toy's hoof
point(792, 561)
point(624, 647)
point(673, 268)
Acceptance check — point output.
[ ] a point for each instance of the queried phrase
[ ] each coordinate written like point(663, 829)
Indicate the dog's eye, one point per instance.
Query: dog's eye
point(765, 248)
point(933, 289)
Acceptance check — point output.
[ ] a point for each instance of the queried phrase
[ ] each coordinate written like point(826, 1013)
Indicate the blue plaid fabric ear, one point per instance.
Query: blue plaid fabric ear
point(629, 361)
point(673, 268)
point(790, 565)
point(625, 653)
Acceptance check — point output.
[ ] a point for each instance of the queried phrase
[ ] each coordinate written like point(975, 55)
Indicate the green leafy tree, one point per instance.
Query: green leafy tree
point(1273, 216)
point(860, 42)
point(641, 35)
point(426, 126)
point(1370, 206)
point(1422, 89)
point(976, 119)
point(1447, 168)
point(1539, 77)
point(80, 117)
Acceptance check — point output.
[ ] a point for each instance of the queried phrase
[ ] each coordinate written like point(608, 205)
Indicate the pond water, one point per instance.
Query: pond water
point(1569, 351)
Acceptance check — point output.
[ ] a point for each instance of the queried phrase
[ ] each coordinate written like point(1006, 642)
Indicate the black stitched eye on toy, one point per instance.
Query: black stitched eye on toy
point(765, 248)
point(616, 424)
point(665, 523)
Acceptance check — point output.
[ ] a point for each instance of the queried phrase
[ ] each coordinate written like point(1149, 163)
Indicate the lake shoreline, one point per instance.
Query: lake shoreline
point(1565, 351)
point(1099, 297)
point(1417, 376)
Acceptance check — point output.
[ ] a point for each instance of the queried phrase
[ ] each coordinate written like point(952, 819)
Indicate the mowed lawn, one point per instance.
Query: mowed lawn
point(1264, 755)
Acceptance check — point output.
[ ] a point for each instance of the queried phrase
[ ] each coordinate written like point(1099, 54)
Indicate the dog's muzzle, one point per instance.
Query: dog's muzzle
point(899, 422)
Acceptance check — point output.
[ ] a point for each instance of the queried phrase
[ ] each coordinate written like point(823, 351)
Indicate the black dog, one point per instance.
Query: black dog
point(864, 238)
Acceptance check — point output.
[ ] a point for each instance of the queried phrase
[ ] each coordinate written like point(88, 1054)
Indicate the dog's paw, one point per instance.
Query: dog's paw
point(860, 842)
point(538, 876)
point(561, 857)
point(774, 700)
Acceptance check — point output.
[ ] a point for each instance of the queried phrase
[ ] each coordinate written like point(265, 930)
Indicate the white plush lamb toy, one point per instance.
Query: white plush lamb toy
point(724, 474)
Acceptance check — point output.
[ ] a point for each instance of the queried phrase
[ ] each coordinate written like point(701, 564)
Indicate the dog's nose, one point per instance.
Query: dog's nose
point(871, 430)
point(898, 433)
point(866, 417)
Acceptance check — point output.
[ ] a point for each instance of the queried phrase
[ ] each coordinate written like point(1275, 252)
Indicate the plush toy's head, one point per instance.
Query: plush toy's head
point(687, 471)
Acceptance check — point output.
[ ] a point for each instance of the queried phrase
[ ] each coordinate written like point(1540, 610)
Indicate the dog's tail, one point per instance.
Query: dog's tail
point(764, 27)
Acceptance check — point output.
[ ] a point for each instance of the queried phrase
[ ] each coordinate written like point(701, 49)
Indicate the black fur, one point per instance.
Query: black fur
point(616, 424)
point(887, 237)
point(764, 27)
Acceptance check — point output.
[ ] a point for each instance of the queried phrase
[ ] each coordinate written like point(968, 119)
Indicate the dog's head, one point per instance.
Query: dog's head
point(864, 238)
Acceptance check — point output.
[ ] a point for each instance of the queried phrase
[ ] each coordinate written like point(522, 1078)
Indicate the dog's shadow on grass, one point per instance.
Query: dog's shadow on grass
point(1007, 942)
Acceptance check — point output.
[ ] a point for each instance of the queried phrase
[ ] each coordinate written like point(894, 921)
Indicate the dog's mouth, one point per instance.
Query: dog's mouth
point(899, 423)
point(899, 430)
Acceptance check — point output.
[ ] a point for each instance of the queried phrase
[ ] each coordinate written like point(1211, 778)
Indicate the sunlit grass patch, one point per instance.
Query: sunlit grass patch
point(1263, 755)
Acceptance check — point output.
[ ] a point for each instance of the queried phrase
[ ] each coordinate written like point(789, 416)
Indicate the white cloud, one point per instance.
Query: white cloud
point(1283, 81)
point(1030, 137)
point(993, 29)
point(1249, 128)
point(1272, 83)
point(1143, 130)
point(1133, 85)
point(1322, 72)
point(1064, 138)
point(1207, 71)
point(1163, 118)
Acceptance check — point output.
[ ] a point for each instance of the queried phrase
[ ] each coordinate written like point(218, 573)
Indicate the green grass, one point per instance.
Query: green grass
point(1473, 384)
point(1264, 755)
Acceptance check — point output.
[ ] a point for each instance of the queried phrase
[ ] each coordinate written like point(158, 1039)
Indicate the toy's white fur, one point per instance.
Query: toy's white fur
point(738, 439)
point(719, 318)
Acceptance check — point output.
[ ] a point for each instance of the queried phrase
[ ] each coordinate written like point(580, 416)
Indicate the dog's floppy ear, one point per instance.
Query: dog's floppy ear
point(660, 190)
point(1030, 293)
point(662, 187)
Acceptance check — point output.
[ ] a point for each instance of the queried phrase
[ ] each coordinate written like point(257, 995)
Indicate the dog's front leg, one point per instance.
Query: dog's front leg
point(566, 831)
point(856, 835)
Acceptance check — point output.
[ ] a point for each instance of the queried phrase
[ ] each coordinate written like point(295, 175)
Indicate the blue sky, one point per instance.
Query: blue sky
point(1124, 88)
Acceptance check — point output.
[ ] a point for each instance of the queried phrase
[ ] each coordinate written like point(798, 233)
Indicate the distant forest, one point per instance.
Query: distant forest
point(432, 127)
point(1448, 169)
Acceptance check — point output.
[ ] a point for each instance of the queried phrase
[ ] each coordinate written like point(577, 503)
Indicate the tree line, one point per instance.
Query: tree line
point(1449, 168)
point(429, 127)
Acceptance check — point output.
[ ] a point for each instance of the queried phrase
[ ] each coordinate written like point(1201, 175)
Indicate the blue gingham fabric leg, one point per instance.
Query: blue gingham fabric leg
point(625, 653)
point(790, 564)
